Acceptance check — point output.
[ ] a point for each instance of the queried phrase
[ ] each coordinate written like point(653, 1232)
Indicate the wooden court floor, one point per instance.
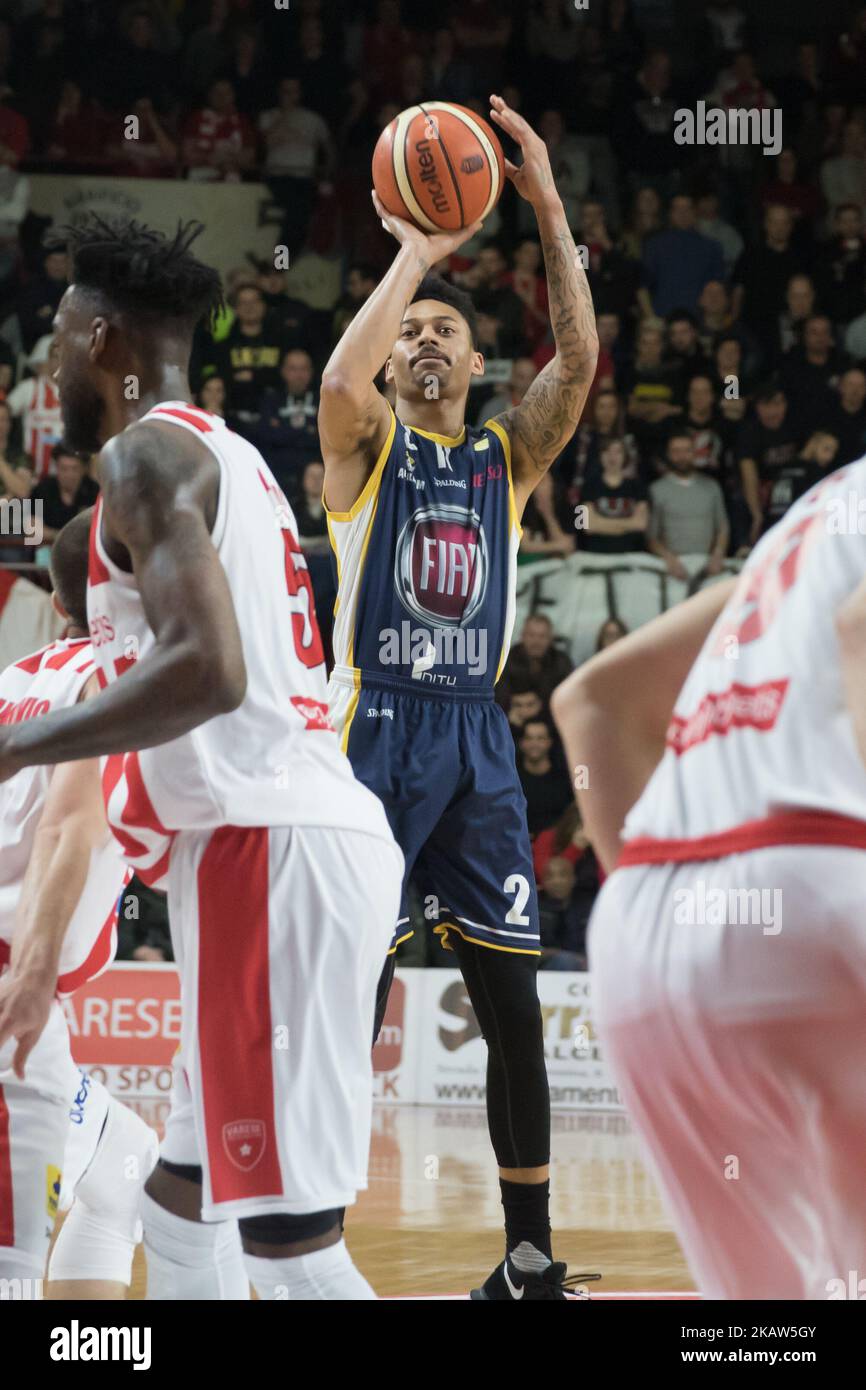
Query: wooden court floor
point(430, 1222)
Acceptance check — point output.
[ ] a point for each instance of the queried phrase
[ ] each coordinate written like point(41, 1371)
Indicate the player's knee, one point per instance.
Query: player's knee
point(281, 1229)
point(110, 1187)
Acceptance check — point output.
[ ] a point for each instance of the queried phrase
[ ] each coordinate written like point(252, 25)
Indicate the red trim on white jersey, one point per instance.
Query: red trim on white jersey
point(190, 415)
point(786, 828)
point(237, 1083)
point(7, 1205)
point(97, 572)
point(101, 955)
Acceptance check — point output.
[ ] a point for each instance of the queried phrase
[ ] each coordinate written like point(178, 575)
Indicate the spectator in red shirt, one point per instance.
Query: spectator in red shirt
point(786, 189)
point(219, 142)
point(565, 840)
point(530, 285)
point(14, 133)
point(76, 130)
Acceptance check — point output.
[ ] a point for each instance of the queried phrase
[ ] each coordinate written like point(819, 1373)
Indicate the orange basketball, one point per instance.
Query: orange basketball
point(438, 165)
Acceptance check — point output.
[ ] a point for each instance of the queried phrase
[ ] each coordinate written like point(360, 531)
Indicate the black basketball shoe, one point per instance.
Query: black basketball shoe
point(507, 1283)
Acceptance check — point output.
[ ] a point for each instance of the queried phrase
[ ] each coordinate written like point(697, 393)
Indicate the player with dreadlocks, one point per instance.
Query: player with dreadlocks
point(224, 783)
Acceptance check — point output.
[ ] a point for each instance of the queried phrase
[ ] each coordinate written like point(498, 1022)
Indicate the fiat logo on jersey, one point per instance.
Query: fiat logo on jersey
point(244, 1142)
point(441, 566)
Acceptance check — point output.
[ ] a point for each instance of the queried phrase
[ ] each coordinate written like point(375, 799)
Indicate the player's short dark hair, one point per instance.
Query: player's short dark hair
point(141, 271)
point(434, 287)
point(68, 566)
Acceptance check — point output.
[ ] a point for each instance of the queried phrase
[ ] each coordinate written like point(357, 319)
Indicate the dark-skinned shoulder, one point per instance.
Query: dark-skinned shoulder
point(149, 473)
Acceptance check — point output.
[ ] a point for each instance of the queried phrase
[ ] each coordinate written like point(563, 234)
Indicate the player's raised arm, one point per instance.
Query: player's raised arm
point(71, 825)
point(548, 415)
point(614, 711)
point(158, 503)
point(353, 415)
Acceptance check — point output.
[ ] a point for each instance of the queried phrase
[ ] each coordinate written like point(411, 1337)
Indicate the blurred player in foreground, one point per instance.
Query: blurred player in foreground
point(61, 874)
point(728, 947)
point(223, 778)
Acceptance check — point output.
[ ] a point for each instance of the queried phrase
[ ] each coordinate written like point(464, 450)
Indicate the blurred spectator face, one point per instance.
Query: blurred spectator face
point(786, 166)
point(55, 265)
point(213, 395)
point(849, 223)
point(250, 307)
point(297, 371)
point(141, 30)
point(647, 206)
point(606, 411)
point(611, 631)
point(818, 336)
point(729, 355)
point(551, 127)
point(823, 448)
point(714, 298)
point(221, 98)
point(536, 637)
point(681, 454)
point(290, 94)
point(707, 207)
point(744, 67)
point(527, 257)
point(682, 336)
point(491, 264)
point(656, 73)
point(313, 481)
point(593, 224)
point(650, 341)
point(524, 706)
point(682, 213)
point(771, 413)
point(70, 471)
point(613, 457)
point(523, 374)
point(443, 46)
point(559, 878)
point(608, 330)
point(854, 140)
point(852, 389)
point(777, 225)
point(312, 37)
point(701, 395)
point(359, 284)
point(535, 742)
point(800, 296)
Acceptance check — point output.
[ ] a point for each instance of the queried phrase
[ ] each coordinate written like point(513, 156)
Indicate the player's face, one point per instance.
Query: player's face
point(433, 356)
point(78, 336)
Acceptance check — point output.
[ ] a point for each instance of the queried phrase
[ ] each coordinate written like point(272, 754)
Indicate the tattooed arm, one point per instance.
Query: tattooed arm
point(545, 420)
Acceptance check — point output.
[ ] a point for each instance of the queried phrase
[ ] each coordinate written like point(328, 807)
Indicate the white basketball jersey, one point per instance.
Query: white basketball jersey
point(275, 760)
point(51, 679)
point(761, 747)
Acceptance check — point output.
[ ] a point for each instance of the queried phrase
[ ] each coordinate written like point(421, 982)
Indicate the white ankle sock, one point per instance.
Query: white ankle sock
point(323, 1275)
point(191, 1260)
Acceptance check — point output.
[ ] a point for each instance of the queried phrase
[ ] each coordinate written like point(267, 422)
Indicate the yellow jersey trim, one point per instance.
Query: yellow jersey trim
point(445, 927)
point(449, 439)
point(399, 942)
point(502, 436)
point(372, 484)
point(333, 545)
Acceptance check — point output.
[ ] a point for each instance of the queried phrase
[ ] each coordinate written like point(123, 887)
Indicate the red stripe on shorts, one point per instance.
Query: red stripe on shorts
point(786, 828)
point(235, 1034)
point(7, 1206)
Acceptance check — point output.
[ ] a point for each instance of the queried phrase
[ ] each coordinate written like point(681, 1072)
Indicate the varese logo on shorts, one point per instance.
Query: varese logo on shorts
point(441, 566)
point(244, 1142)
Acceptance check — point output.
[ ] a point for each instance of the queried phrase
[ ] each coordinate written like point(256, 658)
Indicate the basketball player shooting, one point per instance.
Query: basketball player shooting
point(424, 516)
point(223, 778)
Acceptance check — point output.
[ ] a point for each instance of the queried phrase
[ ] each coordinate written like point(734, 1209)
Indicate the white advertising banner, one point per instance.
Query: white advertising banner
point(237, 217)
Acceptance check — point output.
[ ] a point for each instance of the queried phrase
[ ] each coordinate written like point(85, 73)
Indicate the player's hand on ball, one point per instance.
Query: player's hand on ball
point(533, 179)
point(25, 1003)
point(433, 246)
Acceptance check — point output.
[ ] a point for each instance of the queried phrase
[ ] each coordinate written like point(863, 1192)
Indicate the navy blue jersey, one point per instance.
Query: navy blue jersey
point(426, 560)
